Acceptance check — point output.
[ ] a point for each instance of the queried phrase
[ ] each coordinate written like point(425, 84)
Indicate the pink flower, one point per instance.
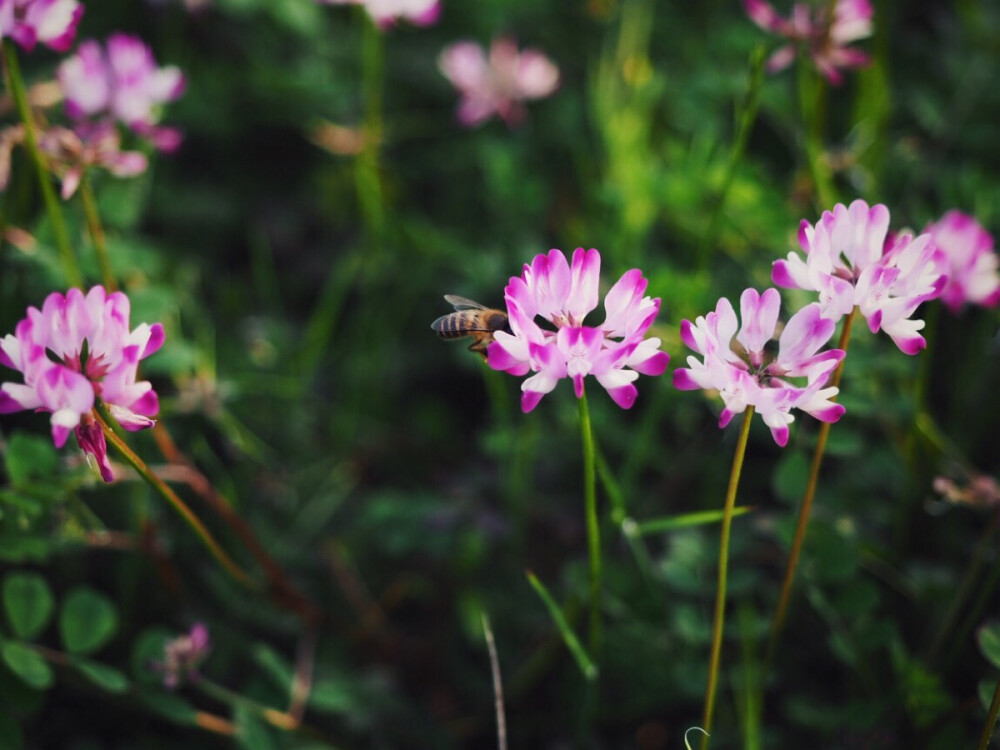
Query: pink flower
point(497, 85)
point(51, 22)
point(73, 351)
point(972, 262)
point(745, 374)
point(849, 263)
point(71, 153)
point(824, 38)
point(386, 12)
point(124, 82)
point(183, 655)
point(614, 352)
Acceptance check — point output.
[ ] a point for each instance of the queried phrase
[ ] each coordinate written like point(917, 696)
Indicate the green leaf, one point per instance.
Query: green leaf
point(29, 456)
point(989, 642)
point(28, 602)
point(790, 476)
point(332, 695)
point(105, 677)
point(169, 705)
point(587, 666)
point(251, 732)
point(273, 664)
point(986, 690)
point(27, 664)
point(88, 620)
point(147, 651)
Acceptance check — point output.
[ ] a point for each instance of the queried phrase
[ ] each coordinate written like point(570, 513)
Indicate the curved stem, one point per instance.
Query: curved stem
point(97, 235)
point(16, 84)
point(806, 507)
point(720, 589)
point(179, 505)
point(593, 527)
point(991, 719)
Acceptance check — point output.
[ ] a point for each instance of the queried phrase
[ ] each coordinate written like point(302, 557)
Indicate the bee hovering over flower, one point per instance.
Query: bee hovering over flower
point(471, 319)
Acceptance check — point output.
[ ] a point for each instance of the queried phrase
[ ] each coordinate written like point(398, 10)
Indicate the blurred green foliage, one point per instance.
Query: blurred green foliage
point(393, 476)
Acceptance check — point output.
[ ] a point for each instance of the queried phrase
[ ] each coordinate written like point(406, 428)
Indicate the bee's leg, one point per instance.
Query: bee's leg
point(479, 347)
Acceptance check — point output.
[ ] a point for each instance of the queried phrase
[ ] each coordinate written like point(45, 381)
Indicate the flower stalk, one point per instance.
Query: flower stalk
point(720, 590)
point(15, 82)
point(593, 526)
point(807, 499)
point(991, 719)
point(97, 236)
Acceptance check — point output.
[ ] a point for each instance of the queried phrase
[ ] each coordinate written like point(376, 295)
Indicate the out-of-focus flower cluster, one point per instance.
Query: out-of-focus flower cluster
point(822, 35)
point(49, 22)
point(745, 375)
point(120, 82)
point(972, 263)
point(614, 353)
point(75, 350)
point(386, 12)
point(183, 655)
point(499, 82)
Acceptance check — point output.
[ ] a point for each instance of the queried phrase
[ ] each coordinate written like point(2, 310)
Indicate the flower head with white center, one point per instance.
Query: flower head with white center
point(75, 350)
point(499, 82)
point(51, 22)
point(824, 37)
point(745, 374)
point(614, 353)
point(850, 263)
point(973, 276)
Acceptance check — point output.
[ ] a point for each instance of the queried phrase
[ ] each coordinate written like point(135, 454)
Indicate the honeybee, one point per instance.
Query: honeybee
point(471, 319)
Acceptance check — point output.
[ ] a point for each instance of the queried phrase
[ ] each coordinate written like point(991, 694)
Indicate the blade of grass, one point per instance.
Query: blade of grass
point(587, 667)
point(685, 520)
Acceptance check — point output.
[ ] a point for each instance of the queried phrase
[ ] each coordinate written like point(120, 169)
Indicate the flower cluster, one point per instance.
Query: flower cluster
point(386, 12)
point(122, 82)
point(77, 349)
point(973, 277)
point(824, 36)
point(50, 22)
point(615, 352)
point(183, 655)
point(850, 263)
point(497, 83)
point(745, 375)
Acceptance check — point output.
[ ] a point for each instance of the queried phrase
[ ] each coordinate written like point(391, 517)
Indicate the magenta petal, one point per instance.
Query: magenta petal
point(780, 435)
point(529, 400)
point(683, 380)
point(655, 365)
point(781, 276)
point(624, 396)
point(156, 337)
point(91, 440)
point(725, 417)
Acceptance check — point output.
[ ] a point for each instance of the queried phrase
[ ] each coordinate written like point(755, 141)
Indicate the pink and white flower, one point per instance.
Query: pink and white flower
point(72, 152)
point(123, 81)
point(850, 263)
point(823, 37)
point(183, 655)
point(973, 277)
point(614, 353)
point(73, 351)
point(745, 375)
point(386, 12)
point(499, 83)
point(51, 22)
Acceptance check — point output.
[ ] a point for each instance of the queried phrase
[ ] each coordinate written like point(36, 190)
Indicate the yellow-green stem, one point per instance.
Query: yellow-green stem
point(16, 85)
point(812, 99)
point(593, 528)
point(171, 497)
point(97, 236)
point(991, 719)
point(807, 499)
point(719, 619)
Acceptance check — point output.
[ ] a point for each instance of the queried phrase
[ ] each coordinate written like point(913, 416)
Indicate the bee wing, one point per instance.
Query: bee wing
point(462, 303)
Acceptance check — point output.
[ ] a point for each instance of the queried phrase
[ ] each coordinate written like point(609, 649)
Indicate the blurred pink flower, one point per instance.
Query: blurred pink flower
point(70, 153)
point(386, 12)
point(614, 352)
point(124, 82)
point(825, 39)
point(51, 22)
point(972, 261)
point(73, 351)
point(183, 655)
point(744, 374)
point(850, 263)
point(499, 83)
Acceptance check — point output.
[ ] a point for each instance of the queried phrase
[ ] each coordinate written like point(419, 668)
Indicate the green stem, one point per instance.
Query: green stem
point(720, 590)
point(991, 719)
point(812, 100)
point(171, 497)
point(593, 527)
point(367, 175)
point(807, 499)
point(15, 83)
point(745, 117)
point(97, 236)
point(272, 716)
